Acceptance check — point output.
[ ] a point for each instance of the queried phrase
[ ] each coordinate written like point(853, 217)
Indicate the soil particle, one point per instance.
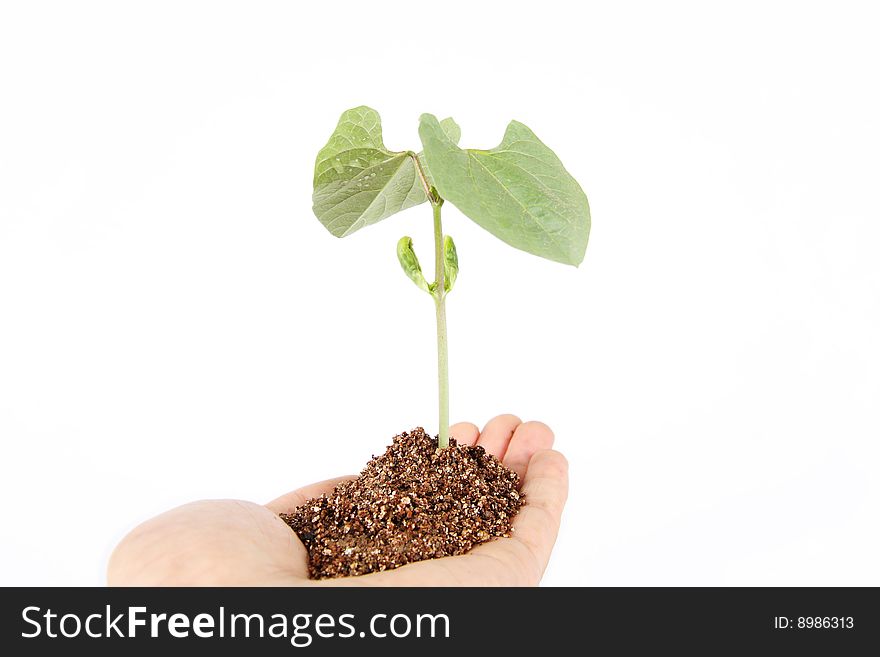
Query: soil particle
point(412, 503)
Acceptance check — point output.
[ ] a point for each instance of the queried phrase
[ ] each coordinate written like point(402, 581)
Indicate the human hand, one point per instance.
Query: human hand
point(238, 543)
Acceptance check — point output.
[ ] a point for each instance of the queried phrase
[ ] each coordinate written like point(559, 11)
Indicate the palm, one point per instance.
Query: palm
point(232, 542)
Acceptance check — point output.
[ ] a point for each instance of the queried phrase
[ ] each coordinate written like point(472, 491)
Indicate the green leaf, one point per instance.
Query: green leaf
point(451, 128)
point(410, 263)
point(358, 181)
point(518, 191)
point(450, 263)
point(453, 132)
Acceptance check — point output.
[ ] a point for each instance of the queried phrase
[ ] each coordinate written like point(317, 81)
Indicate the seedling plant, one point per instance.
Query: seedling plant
point(518, 191)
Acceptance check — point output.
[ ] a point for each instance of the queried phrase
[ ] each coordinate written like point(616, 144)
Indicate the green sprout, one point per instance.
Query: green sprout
point(518, 191)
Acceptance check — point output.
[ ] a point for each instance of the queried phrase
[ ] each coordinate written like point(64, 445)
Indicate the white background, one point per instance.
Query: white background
point(175, 324)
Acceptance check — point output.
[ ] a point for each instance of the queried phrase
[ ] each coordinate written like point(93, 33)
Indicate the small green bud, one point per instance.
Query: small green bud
point(410, 263)
point(450, 263)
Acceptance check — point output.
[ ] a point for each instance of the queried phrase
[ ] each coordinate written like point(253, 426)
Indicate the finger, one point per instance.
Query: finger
point(497, 433)
point(466, 433)
point(289, 501)
point(529, 438)
point(537, 523)
point(535, 527)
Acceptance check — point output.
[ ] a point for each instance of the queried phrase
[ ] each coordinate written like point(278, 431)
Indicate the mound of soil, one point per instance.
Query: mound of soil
point(414, 502)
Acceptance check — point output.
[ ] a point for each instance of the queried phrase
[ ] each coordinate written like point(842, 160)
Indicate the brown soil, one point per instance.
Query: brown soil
point(414, 502)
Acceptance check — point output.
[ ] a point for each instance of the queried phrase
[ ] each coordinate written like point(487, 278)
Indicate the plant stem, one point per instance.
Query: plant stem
point(432, 197)
point(439, 295)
